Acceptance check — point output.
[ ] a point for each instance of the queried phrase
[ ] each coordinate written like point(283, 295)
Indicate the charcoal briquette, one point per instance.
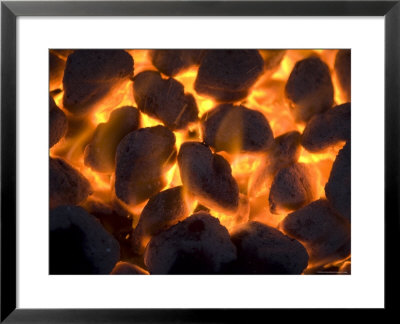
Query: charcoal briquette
point(286, 150)
point(58, 123)
point(208, 177)
point(143, 156)
point(56, 70)
point(262, 249)
point(164, 99)
point(327, 129)
point(293, 187)
point(114, 221)
point(90, 74)
point(172, 62)
point(325, 234)
point(162, 211)
point(236, 129)
point(309, 88)
point(343, 70)
point(79, 244)
point(67, 185)
point(197, 245)
point(228, 75)
point(100, 152)
point(338, 187)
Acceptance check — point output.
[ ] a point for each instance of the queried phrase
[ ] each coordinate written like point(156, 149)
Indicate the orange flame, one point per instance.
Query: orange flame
point(267, 96)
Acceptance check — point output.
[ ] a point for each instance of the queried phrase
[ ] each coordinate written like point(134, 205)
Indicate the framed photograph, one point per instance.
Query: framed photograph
point(197, 161)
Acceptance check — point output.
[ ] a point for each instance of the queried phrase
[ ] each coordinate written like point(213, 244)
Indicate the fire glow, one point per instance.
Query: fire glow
point(251, 170)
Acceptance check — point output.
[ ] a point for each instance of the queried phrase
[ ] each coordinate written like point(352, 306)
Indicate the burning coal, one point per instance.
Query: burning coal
point(200, 161)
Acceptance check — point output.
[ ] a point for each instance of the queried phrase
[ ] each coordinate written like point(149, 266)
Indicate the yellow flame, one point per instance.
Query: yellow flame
point(266, 96)
point(148, 121)
point(321, 164)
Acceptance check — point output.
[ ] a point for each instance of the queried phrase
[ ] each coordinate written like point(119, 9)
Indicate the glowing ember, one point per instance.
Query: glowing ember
point(253, 172)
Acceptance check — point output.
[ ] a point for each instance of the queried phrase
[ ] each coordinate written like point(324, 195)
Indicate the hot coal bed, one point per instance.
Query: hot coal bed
point(200, 161)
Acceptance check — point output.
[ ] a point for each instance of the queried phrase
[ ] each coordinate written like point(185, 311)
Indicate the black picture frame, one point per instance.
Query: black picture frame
point(10, 10)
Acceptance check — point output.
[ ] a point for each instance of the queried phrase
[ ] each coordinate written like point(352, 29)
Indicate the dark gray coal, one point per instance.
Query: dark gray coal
point(228, 75)
point(309, 88)
point(197, 245)
point(236, 129)
point(142, 158)
point(164, 99)
point(90, 74)
point(161, 212)
point(79, 244)
point(343, 70)
point(100, 152)
point(115, 221)
point(293, 187)
point(58, 123)
point(208, 177)
point(325, 234)
point(262, 249)
point(338, 187)
point(67, 185)
point(172, 62)
point(56, 70)
point(328, 128)
point(286, 150)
